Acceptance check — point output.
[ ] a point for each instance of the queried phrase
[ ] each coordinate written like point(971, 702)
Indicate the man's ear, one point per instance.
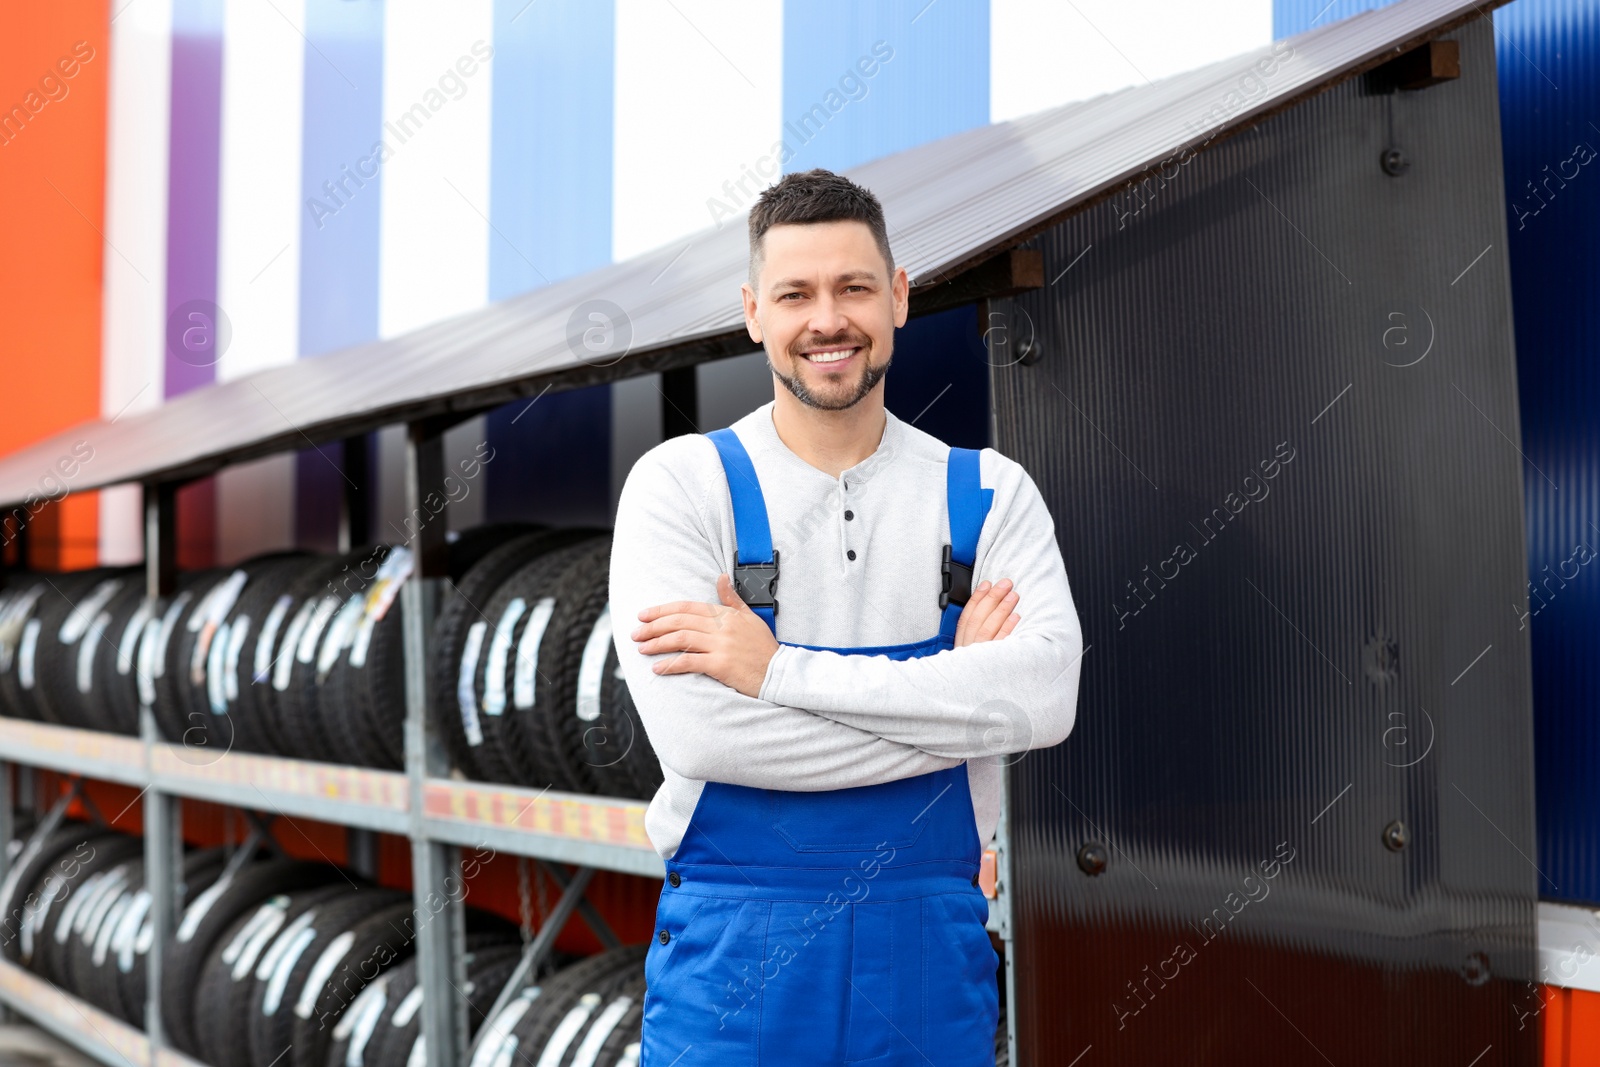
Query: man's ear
point(900, 287)
point(751, 323)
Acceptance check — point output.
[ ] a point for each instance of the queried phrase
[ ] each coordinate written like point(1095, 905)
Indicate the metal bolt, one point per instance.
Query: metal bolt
point(1395, 836)
point(1092, 858)
point(1029, 351)
point(1394, 162)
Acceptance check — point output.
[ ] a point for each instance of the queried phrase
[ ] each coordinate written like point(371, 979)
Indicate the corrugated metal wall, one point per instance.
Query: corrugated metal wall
point(1275, 416)
point(1549, 58)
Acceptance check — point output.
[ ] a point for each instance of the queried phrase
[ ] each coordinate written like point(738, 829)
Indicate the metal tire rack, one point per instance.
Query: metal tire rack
point(439, 814)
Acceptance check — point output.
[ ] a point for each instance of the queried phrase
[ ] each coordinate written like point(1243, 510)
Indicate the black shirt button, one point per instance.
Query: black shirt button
point(851, 553)
point(663, 937)
point(849, 515)
point(674, 880)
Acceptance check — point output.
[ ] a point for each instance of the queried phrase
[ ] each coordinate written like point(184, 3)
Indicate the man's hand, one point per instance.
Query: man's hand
point(987, 615)
point(726, 641)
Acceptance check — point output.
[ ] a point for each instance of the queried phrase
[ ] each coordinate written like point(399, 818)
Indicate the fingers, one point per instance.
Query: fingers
point(971, 614)
point(676, 641)
point(726, 592)
point(987, 615)
point(670, 623)
point(989, 629)
point(677, 607)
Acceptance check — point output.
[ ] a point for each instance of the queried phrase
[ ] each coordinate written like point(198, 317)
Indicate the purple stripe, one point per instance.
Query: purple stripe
point(192, 194)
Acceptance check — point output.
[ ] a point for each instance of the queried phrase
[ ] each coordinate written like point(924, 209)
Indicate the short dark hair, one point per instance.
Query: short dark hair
point(815, 196)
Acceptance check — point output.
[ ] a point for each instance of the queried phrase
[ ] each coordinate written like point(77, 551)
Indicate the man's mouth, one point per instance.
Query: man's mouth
point(830, 356)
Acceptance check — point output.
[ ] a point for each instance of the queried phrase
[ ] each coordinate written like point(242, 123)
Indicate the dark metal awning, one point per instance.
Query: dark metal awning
point(953, 206)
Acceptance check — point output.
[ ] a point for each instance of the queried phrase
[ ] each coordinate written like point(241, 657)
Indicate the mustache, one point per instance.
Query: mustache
point(854, 340)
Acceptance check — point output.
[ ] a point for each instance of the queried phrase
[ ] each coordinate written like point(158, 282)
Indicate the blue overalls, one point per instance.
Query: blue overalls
point(828, 928)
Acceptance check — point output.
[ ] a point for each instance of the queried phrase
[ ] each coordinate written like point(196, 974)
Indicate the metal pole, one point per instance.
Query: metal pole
point(540, 946)
point(435, 867)
point(8, 821)
point(680, 402)
point(1003, 866)
point(8, 830)
point(361, 851)
point(163, 837)
point(355, 503)
point(1002, 903)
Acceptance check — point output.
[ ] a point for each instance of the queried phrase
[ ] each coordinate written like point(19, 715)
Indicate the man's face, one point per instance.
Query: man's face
point(825, 307)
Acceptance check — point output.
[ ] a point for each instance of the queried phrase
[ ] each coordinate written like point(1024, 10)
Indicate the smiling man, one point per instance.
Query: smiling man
point(831, 658)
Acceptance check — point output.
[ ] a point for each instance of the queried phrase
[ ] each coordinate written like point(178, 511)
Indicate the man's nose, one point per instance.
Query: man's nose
point(828, 318)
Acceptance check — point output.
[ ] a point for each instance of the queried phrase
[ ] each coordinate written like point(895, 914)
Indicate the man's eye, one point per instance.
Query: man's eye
point(786, 296)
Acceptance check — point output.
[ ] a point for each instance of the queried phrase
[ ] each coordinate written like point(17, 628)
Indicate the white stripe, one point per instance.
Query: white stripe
point(567, 1029)
point(699, 92)
point(258, 241)
point(258, 253)
point(434, 232)
point(1043, 53)
point(133, 328)
point(589, 1052)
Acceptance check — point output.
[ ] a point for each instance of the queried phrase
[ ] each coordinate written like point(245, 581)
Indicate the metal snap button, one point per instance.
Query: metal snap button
point(664, 937)
point(851, 554)
point(674, 880)
point(848, 515)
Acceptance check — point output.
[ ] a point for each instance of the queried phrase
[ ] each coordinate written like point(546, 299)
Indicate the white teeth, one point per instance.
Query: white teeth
point(829, 357)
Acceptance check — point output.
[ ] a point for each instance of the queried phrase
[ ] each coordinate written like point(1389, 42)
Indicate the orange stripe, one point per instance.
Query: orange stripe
point(1583, 1028)
point(55, 59)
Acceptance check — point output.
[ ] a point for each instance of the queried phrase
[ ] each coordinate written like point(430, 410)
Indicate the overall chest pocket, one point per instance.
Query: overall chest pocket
point(861, 819)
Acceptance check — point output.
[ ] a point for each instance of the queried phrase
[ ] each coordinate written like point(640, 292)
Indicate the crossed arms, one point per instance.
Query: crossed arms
point(723, 701)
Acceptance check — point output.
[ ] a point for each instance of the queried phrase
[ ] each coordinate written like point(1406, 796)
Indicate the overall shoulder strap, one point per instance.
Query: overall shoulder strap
point(755, 577)
point(968, 506)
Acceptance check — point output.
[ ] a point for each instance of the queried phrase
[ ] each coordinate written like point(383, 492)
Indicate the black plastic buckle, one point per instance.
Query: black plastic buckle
point(757, 583)
point(955, 581)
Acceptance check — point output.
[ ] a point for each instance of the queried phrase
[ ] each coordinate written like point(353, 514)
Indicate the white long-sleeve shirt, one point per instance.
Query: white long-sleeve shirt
point(824, 720)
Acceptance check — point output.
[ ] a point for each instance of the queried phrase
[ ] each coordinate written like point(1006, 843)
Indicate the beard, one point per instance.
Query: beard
point(847, 396)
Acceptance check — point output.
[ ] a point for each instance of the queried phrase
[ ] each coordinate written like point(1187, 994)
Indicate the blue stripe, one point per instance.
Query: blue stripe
point(865, 80)
point(1290, 17)
point(342, 124)
point(550, 137)
point(550, 206)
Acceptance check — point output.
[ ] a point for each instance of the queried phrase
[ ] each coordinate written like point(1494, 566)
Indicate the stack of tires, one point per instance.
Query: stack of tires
point(301, 655)
point(67, 646)
point(526, 683)
point(75, 911)
point(589, 1013)
point(273, 961)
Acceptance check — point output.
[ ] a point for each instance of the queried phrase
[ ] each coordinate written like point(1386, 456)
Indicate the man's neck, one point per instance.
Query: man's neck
point(831, 441)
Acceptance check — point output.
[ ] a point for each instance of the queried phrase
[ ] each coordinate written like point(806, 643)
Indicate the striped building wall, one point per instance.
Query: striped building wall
point(277, 181)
